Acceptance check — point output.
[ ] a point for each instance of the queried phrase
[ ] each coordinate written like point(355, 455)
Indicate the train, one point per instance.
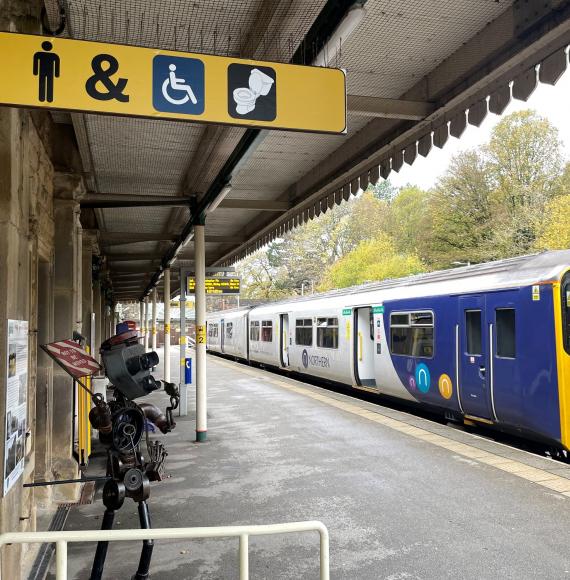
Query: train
point(485, 344)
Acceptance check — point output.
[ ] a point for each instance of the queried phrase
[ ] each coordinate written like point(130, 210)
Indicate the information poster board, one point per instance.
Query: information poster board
point(16, 395)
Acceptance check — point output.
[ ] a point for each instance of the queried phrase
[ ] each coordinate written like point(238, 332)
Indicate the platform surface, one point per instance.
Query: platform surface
point(403, 498)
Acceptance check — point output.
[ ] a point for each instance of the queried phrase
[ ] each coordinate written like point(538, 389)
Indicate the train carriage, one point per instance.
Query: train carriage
point(227, 333)
point(488, 343)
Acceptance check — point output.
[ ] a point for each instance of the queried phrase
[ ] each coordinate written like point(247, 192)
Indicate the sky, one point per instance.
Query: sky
point(548, 101)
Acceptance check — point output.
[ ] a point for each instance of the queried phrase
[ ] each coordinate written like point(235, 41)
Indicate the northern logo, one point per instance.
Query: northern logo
point(305, 358)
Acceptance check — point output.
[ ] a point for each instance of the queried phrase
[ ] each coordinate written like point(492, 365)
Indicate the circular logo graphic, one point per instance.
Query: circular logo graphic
point(305, 358)
point(422, 378)
point(412, 383)
point(445, 386)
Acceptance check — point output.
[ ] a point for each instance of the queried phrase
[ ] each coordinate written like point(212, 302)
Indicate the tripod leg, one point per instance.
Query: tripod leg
point(148, 545)
point(101, 553)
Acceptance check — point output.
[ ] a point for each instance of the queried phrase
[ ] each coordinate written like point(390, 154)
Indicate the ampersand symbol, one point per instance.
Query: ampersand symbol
point(103, 75)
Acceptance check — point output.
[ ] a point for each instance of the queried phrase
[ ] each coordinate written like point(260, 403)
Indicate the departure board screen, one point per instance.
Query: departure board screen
point(225, 285)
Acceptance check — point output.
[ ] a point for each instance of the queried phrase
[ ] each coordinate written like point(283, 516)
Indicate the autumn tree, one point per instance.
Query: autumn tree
point(371, 260)
point(555, 231)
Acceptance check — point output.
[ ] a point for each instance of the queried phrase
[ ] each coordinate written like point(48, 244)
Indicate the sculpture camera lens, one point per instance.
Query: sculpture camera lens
point(149, 360)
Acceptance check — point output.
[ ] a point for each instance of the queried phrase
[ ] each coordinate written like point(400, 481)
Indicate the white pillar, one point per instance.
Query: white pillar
point(153, 341)
point(141, 320)
point(146, 332)
point(167, 325)
point(201, 392)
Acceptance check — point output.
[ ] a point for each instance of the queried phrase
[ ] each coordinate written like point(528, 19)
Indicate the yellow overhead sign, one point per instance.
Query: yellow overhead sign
point(176, 304)
point(77, 75)
point(216, 285)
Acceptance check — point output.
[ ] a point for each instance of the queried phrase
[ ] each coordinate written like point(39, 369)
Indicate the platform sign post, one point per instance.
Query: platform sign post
point(115, 79)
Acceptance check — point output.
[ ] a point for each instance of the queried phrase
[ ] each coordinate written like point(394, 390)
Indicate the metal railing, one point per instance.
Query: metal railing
point(61, 539)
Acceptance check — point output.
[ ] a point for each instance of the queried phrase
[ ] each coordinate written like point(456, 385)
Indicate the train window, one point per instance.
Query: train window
point(304, 331)
point(327, 332)
point(254, 330)
point(213, 331)
point(267, 331)
point(566, 312)
point(400, 319)
point(411, 334)
point(506, 343)
point(229, 330)
point(474, 336)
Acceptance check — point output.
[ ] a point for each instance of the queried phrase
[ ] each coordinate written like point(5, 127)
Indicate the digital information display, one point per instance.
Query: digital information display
point(215, 286)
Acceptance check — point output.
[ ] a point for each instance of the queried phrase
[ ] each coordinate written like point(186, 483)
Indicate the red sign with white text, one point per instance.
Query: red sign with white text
point(74, 359)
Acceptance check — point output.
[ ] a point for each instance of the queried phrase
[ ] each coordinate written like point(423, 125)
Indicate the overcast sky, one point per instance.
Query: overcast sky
point(551, 102)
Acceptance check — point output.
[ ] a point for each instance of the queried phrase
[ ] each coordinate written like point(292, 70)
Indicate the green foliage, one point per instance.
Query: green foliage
point(460, 212)
point(375, 259)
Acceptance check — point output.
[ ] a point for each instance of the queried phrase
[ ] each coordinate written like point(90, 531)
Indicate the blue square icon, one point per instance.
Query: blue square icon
point(178, 85)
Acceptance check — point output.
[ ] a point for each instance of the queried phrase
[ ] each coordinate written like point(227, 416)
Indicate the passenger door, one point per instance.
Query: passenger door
point(364, 347)
point(222, 335)
point(473, 357)
point(284, 340)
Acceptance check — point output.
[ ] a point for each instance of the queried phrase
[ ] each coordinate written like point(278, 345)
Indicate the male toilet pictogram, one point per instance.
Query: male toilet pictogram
point(46, 68)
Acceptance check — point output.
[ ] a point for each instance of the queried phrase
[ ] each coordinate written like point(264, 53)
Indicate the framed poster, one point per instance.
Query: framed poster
point(16, 404)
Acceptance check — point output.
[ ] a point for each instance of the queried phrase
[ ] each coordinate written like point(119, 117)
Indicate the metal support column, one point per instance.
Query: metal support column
point(201, 391)
point(141, 321)
point(146, 324)
point(183, 406)
point(167, 325)
point(153, 338)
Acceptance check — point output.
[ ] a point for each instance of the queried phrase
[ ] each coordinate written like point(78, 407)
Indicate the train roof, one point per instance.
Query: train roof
point(508, 273)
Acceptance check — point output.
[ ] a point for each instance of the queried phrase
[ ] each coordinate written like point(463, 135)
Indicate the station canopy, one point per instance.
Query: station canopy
point(417, 72)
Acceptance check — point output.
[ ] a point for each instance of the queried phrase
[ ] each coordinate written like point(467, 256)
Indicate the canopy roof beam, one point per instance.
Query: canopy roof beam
point(389, 108)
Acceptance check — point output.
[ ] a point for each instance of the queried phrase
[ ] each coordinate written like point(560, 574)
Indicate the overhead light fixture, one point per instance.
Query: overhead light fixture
point(346, 27)
point(220, 197)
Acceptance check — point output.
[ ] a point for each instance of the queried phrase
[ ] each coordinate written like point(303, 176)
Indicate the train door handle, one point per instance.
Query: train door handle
point(482, 372)
point(359, 346)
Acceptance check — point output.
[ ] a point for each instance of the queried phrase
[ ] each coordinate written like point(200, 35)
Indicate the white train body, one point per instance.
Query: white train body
point(489, 342)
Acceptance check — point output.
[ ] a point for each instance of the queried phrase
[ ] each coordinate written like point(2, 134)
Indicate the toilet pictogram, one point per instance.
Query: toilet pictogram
point(252, 92)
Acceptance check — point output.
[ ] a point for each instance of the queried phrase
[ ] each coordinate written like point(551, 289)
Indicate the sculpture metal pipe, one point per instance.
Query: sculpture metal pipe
point(155, 416)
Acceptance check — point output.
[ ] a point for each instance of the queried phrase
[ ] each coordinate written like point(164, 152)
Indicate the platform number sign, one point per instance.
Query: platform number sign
point(201, 334)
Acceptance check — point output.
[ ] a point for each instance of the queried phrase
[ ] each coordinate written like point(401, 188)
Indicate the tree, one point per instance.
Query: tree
point(409, 220)
point(260, 278)
point(383, 190)
point(371, 260)
point(555, 234)
point(461, 213)
point(524, 163)
point(368, 217)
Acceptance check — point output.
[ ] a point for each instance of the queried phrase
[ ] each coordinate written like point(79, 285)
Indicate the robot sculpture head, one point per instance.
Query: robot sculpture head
point(127, 365)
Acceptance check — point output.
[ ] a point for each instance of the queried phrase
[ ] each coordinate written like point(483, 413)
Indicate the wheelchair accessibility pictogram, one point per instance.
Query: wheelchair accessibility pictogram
point(178, 85)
